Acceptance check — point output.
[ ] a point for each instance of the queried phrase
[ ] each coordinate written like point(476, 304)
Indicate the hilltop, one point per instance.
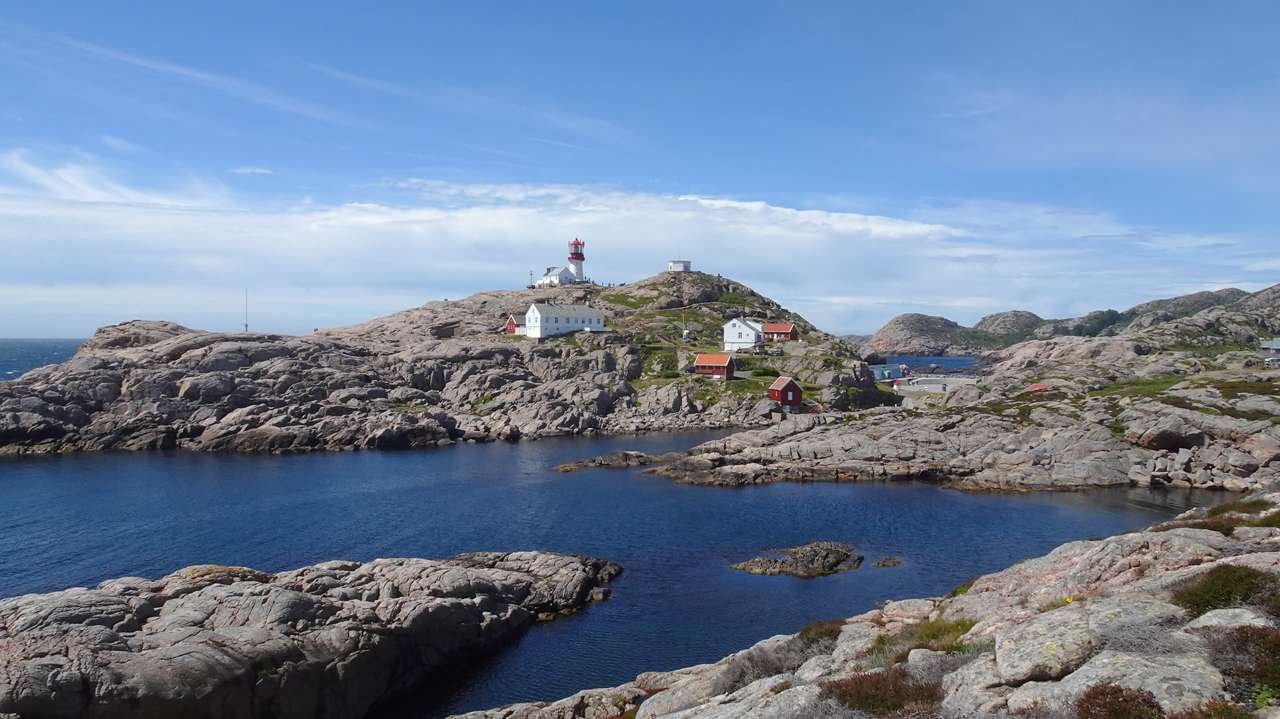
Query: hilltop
point(917, 334)
point(431, 375)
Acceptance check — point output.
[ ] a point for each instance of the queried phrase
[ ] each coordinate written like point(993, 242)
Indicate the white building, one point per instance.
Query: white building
point(546, 320)
point(679, 266)
point(572, 274)
point(741, 334)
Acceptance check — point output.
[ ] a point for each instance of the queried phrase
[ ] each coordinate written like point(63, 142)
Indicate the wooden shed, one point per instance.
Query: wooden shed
point(716, 364)
point(780, 332)
point(786, 391)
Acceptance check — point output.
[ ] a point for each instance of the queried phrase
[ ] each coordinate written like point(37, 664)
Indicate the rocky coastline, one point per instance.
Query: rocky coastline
point(1169, 614)
point(337, 639)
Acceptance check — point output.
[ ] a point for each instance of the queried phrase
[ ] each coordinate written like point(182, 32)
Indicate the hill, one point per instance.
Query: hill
point(925, 335)
point(434, 374)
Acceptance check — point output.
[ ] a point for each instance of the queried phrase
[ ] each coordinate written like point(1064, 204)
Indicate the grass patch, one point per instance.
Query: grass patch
point(635, 303)
point(1145, 387)
point(1235, 388)
point(409, 407)
point(939, 635)
point(882, 693)
point(480, 401)
point(1226, 586)
point(1214, 709)
point(1241, 506)
point(1111, 701)
point(1224, 523)
point(739, 299)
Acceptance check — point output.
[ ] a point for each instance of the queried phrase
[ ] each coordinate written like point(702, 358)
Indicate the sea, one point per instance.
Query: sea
point(77, 520)
point(20, 355)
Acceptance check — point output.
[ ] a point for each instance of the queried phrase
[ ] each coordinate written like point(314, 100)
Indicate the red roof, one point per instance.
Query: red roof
point(779, 327)
point(781, 383)
point(713, 360)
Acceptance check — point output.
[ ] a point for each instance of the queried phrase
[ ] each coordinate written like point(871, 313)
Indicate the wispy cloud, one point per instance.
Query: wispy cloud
point(121, 145)
point(251, 170)
point(84, 231)
point(227, 85)
point(471, 102)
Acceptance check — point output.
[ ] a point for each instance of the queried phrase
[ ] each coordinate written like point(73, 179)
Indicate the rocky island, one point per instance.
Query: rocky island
point(815, 559)
point(434, 375)
point(337, 639)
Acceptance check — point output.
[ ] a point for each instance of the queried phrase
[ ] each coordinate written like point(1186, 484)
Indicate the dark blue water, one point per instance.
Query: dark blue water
point(946, 363)
point(77, 520)
point(20, 355)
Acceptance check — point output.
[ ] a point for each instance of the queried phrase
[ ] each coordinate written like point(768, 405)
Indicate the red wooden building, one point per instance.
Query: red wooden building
point(512, 327)
point(715, 364)
point(786, 391)
point(780, 332)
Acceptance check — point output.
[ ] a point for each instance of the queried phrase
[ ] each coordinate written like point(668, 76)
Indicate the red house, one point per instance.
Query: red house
point(780, 332)
point(512, 327)
point(786, 391)
point(716, 365)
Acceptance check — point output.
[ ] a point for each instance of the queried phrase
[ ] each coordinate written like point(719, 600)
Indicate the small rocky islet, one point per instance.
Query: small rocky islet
point(815, 559)
point(1180, 616)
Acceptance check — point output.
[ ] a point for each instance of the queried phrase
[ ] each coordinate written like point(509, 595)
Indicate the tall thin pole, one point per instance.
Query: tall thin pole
point(246, 309)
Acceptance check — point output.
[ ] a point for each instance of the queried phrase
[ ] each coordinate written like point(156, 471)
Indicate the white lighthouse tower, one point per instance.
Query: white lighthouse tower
point(576, 259)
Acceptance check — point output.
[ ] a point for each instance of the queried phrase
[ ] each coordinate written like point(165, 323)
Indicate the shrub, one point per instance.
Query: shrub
point(1244, 506)
point(1214, 709)
point(961, 590)
point(940, 635)
point(881, 693)
point(1228, 585)
point(766, 371)
point(1249, 657)
point(822, 630)
point(1111, 701)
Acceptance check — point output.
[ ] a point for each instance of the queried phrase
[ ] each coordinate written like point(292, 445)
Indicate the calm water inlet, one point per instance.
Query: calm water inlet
point(76, 520)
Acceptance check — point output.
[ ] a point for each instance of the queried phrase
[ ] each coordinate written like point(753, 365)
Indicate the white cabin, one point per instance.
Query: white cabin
point(546, 320)
point(557, 276)
point(741, 334)
point(679, 266)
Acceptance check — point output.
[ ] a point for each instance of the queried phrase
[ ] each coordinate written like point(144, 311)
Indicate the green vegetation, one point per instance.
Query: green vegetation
point(481, 401)
point(765, 371)
point(1112, 701)
point(1145, 387)
point(1232, 389)
point(1241, 506)
point(940, 635)
point(1249, 658)
point(1229, 586)
point(822, 630)
point(635, 303)
point(961, 590)
point(882, 693)
point(1225, 521)
point(409, 407)
point(1214, 709)
point(736, 298)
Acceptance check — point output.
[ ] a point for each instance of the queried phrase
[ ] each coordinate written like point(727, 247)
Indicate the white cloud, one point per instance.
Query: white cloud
point(251, 170)
point(80, 248)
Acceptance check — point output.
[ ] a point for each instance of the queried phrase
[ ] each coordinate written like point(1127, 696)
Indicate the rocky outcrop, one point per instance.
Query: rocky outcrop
point(430, 376)
point(1014, 323)
point(815, 559)
point(1029, 640)
point(335, 639)
point(917, 334)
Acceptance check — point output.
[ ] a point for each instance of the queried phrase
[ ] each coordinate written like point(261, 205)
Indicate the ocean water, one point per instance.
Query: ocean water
point(952, 363)
point(76, 520)
point(20, 355)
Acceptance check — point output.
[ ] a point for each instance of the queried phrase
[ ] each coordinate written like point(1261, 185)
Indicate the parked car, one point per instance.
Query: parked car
point(1273, 362)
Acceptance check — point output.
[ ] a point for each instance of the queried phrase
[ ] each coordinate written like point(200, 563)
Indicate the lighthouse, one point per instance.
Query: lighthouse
point(576, 258)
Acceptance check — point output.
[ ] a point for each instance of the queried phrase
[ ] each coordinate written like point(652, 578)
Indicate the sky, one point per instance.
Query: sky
point(851, 160)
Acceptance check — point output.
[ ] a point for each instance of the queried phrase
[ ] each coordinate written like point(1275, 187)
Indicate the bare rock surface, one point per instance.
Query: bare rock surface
point(814, 559)
point(331, 640)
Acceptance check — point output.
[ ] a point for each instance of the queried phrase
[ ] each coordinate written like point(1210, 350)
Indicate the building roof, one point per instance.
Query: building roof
point(714, 359)
point(550, 310)
point(753, 324)
point(780, 327)
point(782, 382)
point(1271, 344)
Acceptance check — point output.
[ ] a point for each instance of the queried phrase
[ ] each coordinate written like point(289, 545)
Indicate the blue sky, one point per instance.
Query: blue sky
point(851, 160)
